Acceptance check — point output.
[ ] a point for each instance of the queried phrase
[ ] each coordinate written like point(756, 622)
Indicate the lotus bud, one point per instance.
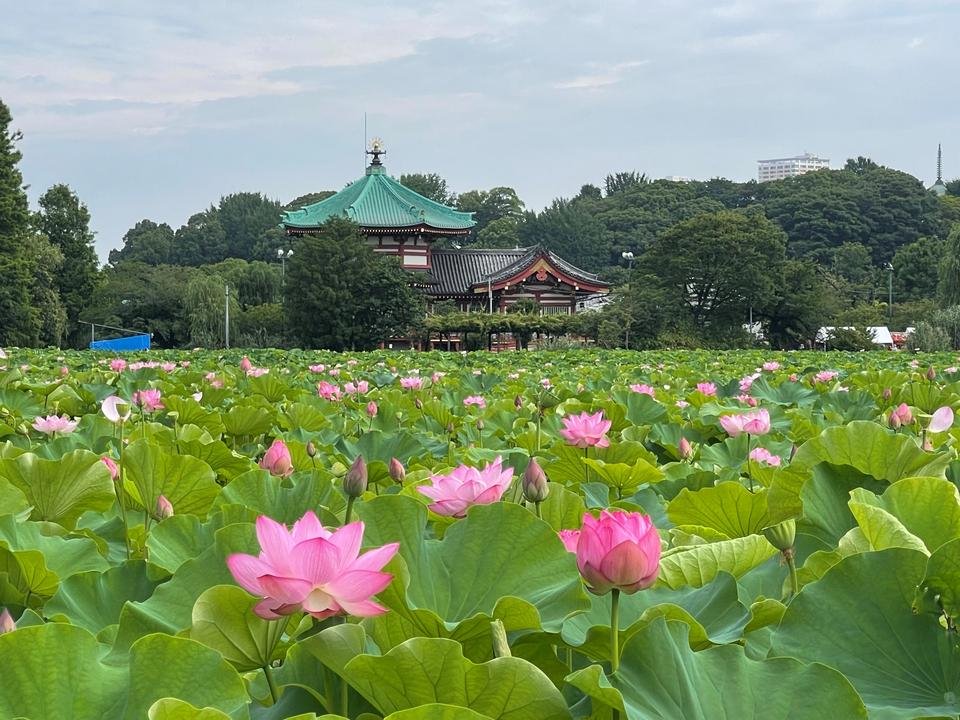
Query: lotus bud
point(783, 535)
point(311, 450)
point(534, 482)
point(931, 374)
point(112, 467)
point(355, 481)
point(894, 420)
point(518, 402)
point(372, 409)
point(887, 394)
point(6, 622)
point(450, 428)
point(905, 414)
point(397, 472)
point(686, 449)
point(480, 424)
point(164, 508)
point(418, 403)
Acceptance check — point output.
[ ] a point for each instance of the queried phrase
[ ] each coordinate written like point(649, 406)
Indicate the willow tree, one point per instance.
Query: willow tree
point(949, 288)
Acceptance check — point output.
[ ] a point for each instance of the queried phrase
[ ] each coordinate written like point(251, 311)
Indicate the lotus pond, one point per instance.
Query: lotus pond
point(461, 537)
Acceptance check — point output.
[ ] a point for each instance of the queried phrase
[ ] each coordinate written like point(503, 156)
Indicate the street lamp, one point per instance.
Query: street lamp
point(628, 256)
point(283, 257)
point(889, 268)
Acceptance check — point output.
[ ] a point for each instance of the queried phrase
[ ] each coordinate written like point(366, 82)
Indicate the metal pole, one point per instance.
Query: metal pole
point(890, 295)
point(489, 296)
point(226, 319)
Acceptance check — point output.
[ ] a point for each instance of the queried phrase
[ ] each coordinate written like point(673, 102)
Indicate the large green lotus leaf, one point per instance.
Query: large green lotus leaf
point(825, 497)
point(303, 416)
point(925, 512)
point(270, 387)
point(730, 453)
point(873, 451)
point(568, 468)
point(94, 600)
point(223, 619)
point(499, 556)
point(817, 563)
point(188, 483)
point(65, 555)
point(940, 589)
point(728, 507)
point(698, 565)
point(221, 459)
point(284, 501)
point(437, 711)
point(173, 709)
point(902, 664)
point(714, 613)
point(433, 670)
point(624, 478)
point(177, 539)
point(61, 490)
point(188, 411)
point(162, 666)
point(24, 576)
point(787, 393)
point(661, 677)
point(562, 508)
point(644, 410)
point(247, 421)
point(170, 608)
point(53, 672)
point(12, 499)
point(377, 445)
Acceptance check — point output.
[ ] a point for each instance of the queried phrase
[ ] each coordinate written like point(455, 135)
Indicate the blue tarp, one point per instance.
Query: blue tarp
point(123, 344)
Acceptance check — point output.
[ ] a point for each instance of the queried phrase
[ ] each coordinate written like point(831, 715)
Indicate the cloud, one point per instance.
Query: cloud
point(915, 43)
point(603, 77)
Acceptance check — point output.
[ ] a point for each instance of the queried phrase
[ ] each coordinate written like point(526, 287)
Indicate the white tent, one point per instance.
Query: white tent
point(880, 334)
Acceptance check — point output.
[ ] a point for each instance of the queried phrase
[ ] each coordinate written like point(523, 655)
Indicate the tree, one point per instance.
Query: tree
point(490, 205)
point(201, 241)
point(622, 181)
point(953, 187)
point(19, 322)
point(949, 285)
point(430, 185)
point(717, 266)
point(501, 233)
point(204, 304)
point(65, 221)
point(46, 271)
point(915, 269)
point(342, 296)
point(860, 165)
point(308, 199)
point(249, 221)
point(802, 303)
point(146, 242)
point(571, 230)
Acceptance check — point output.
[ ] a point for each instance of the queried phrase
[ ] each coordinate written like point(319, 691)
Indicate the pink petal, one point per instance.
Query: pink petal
point(247, 570)
point(275, 541)
point(364, 608)
point(347, 540)
point(375, 559)
point(308, 527)
point(285, 590)
point(316, 560)
point(942, 419)
point(357, 585)
point(625, 564)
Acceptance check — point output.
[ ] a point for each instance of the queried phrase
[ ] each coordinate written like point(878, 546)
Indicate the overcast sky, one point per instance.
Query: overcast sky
point(155, 110)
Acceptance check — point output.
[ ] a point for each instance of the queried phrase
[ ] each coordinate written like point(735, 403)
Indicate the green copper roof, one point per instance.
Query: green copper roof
point(379, 201)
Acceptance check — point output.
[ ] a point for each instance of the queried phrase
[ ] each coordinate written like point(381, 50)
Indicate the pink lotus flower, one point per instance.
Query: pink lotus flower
point(372, 409)
point(771, 366)
point(411, 383)
point(6, 622)
point(164, 507)
point(168, 367)
point(618, 549)
point(793, 377)
point(755, 422)
point(747, 382)
point(276, 460)
point(148, 400)
point(643, 389)
point(118, 365)
point(53, 424)
point(682, 404)
point(245, 364)
point(437, 377)
point(762, 455)
point(685, 449)
point(475, 400)
point(453, 494)
point(328, 391)
point(64, 371)
point(257, 372)
point(313, 569)
point(360, 388)
point(707, 388)
point(570, 538)
point(586, 430)
point(825, 376)
point(901, 415)
point(942, 420)
point(546, 384)
point(115, 409)
point(111, 466)
point(333, 372)
point(318, 368)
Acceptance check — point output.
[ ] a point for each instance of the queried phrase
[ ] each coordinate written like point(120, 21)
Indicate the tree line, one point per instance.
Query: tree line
point(691, 262)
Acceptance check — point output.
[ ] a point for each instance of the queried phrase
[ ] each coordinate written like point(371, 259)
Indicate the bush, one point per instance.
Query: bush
point(928, 338)
point(850, 339)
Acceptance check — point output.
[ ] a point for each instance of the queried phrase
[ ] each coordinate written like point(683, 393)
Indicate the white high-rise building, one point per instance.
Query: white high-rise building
point(780, 168)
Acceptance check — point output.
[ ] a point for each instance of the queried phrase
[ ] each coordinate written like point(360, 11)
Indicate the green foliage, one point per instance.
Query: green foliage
point(850, 338)
point(430, 185)
point(342, 296)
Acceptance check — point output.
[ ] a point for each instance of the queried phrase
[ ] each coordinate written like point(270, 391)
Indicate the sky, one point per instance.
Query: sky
point(156, 110)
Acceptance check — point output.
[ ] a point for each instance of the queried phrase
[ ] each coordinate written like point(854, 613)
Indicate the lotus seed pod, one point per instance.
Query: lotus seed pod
point(782, 535)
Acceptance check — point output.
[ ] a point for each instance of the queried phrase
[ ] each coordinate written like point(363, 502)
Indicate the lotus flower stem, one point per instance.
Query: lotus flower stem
point(119, 487)
point(614, 630)
point(792, 566)
point(268, 673)
point(344, 697)
point(349, 513)
point(586, 468)
point(536, 507)
point(749, 472)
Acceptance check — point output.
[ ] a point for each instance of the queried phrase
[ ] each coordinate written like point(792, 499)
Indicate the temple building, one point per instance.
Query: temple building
point(398, 221)
point(939, 188)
